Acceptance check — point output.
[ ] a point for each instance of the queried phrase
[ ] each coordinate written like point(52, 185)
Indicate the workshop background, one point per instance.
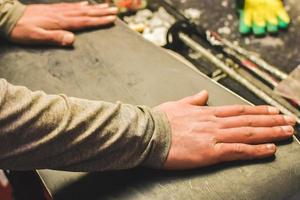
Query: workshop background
point(281, 50)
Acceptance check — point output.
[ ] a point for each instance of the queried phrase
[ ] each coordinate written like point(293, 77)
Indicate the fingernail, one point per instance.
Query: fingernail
point(271, 147)
point(103, 5)
point(288, 129)
point(113, 9)
point(290, 120)
point(68, 39)
point(203, 92)
point(273, 110)
point(84, 3)
point(111, 18)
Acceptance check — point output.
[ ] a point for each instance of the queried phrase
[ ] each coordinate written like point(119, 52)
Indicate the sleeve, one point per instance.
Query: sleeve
point(10, 12)
point(65, 133)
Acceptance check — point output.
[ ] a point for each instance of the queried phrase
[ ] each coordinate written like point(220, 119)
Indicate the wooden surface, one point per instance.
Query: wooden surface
point(117, 64)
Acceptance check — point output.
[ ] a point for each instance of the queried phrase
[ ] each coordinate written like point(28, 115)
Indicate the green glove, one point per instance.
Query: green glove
point(261, 16)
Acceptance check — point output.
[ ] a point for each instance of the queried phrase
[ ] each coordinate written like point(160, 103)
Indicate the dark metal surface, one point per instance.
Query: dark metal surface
point(281, 50)
point(117, 64)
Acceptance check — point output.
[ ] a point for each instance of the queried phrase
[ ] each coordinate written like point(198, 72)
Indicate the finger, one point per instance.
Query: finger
point(235, 110)
point(78, 23)
point(41, 36)
point(257, 121)
point(199, 99)
point(239, 151)
point(67, 6)
point(54, 37)
point(250, 135)
point(101, 5)
point(92, 12)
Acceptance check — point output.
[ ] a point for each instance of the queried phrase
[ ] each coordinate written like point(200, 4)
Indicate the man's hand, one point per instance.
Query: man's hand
point(203, 135)
point(262, 15)
point(50, 24)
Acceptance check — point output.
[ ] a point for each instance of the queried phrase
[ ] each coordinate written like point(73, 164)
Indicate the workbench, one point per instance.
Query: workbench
point(114, 63)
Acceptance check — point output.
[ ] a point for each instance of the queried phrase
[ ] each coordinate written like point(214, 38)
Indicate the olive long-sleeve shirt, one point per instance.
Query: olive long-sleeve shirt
point(10, 12)
point(66, 133)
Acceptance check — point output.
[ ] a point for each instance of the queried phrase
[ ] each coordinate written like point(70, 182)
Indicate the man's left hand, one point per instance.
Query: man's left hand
point(52, 23)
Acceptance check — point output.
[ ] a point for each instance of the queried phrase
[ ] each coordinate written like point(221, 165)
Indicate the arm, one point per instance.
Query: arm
point(58, 132)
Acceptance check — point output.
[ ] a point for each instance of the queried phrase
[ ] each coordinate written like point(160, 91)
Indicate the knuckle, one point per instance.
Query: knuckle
point(241, 109)
point(238, 149)
point(214, 139)
point(281, 119)
point(60, 22)
point(277, 130)
point(84, 12)
point(265, 108)
point(36, 36)
point(219, 149)
point(84, 21)
point(193, 127)
point(278, 119)
point(249, 132)
point(218, 123)
point(214, 111)
point(249, 121)
point(213, 119)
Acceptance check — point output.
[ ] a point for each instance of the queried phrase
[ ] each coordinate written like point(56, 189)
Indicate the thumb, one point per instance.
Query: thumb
point(56, 37)
point(199, 99)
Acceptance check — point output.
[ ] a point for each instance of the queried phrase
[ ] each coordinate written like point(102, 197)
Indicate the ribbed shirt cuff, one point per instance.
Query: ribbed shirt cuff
point(10, 13)
point(161, 141)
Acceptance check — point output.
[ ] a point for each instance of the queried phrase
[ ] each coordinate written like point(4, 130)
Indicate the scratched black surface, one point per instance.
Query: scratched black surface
point(89, 71)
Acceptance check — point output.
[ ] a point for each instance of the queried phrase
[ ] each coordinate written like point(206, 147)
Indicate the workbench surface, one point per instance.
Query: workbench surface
point(117, 64)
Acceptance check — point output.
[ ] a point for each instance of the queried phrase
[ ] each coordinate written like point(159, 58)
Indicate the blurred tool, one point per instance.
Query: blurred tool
point(290, 86)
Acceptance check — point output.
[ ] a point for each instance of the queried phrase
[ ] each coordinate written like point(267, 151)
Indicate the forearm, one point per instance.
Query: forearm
point(58, 132)
point(10, 12)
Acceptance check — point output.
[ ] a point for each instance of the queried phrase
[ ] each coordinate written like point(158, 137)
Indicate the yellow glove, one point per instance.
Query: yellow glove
point(260, 15)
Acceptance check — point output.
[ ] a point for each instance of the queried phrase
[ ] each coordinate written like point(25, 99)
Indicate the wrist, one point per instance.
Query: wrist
point(161, 140)
point(10, 13)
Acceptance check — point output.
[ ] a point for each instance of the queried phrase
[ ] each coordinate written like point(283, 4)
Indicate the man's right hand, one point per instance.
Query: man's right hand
point(52, 23)
point(203, 135)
